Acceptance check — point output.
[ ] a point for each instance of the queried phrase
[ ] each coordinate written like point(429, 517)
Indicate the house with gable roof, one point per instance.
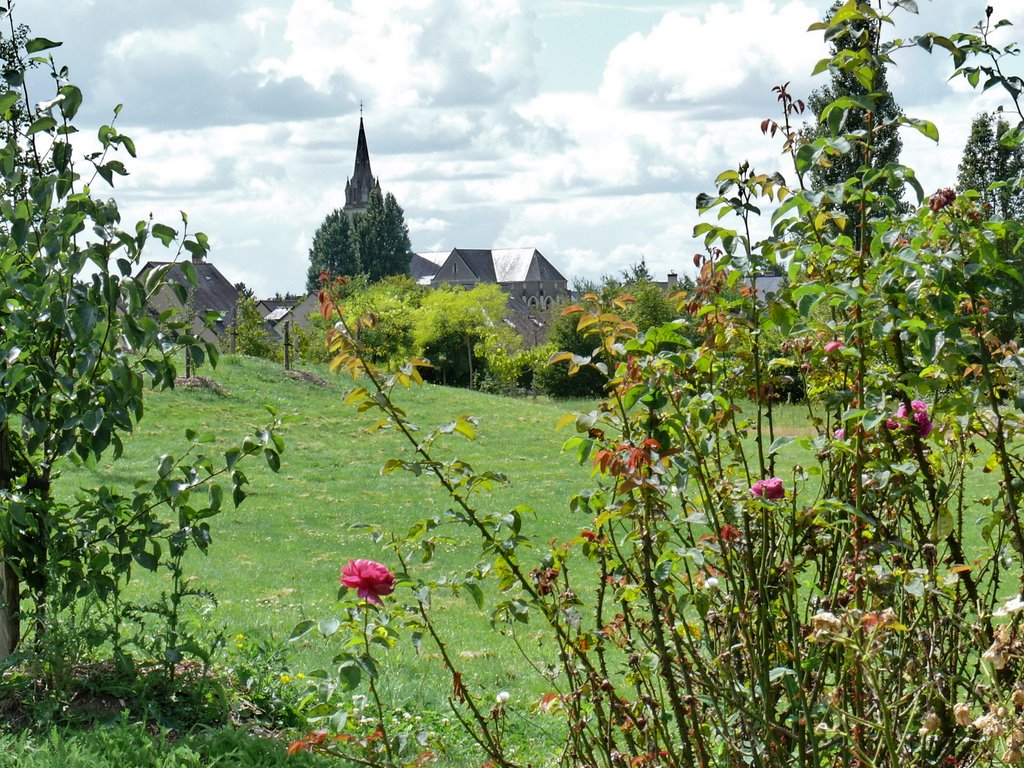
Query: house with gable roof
point(523, 273)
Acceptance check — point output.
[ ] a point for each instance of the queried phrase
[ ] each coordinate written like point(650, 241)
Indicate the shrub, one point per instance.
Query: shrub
point(730, 596)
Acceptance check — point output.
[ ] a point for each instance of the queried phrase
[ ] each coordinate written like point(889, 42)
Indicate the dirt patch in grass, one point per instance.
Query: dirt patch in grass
point(198, 382)
point(310, 378)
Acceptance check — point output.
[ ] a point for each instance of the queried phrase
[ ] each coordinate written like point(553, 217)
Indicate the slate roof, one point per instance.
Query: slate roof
point(499, 265)
point(213, 291)
point(480, 263)
point(423, 266)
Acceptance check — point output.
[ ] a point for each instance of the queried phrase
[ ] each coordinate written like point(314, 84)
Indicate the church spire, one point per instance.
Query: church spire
point(358, 188)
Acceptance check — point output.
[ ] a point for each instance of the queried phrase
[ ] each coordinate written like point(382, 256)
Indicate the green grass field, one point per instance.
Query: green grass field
point(275, 560)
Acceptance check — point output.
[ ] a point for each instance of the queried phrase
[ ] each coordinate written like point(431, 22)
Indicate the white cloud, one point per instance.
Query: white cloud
point(692, 59)
point(245, 115)
point(411, 53)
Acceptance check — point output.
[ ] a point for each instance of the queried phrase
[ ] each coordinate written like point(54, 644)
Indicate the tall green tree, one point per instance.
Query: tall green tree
point(450, 324)
point(986, 161)
point(374, 243)
point(856, 37)
point(382, 237)
point(994, 170)
point(334, 250)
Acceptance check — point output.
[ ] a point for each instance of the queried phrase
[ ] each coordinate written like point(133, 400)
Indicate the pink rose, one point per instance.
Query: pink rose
point(833, 346)
point(371, 579)
point(768, 489)
point(920, 417)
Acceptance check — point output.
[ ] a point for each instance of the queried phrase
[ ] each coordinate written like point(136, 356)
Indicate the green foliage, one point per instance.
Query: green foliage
point(250, 332)
point(555, 380)
point(841, 134)
point(134, 744)
point(335, 250)
point(986, 161)
point(374, 243)
point(451, 322)
point(383, 238)
point(710, 607)
point(78, 345)
point(651, 305)
point(393, 303)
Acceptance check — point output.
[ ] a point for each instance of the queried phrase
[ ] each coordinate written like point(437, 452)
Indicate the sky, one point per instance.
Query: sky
point(583, 128)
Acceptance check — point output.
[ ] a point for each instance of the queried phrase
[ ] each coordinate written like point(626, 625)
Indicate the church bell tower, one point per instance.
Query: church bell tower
point(358, 188)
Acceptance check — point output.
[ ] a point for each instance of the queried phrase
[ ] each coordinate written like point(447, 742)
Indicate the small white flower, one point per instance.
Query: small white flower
point(502, 697)
point(711, 583)
point(1012, 605)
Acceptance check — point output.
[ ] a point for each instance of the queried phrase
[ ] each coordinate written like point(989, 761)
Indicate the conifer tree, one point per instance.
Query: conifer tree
point(986, 161)
point(383, 237)
point(374, 243)
point(334, 250)
point(886, 143)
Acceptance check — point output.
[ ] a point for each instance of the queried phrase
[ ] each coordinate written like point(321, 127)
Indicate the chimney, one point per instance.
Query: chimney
point(673, 280)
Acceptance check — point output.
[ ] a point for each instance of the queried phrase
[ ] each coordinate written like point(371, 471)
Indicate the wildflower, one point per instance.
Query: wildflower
point(768, 489)
point(502, 697)
point(930, 725)
point(989, 725)
point(839, 434)
point(371, 579)
point(285, 679)
point(962, 714)
point(941, 199)
point(833, 346)
point(920, 417)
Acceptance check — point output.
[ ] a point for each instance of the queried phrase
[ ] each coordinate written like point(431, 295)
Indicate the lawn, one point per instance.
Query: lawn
point(275, 560)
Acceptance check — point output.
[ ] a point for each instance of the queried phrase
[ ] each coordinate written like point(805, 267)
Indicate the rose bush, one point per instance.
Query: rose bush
point(682, 621)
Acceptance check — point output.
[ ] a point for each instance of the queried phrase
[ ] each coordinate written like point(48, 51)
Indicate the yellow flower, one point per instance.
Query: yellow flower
point(285, 679)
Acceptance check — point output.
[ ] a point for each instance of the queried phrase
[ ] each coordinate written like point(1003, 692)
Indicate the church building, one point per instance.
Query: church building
point(359, 187)
point(524, 273)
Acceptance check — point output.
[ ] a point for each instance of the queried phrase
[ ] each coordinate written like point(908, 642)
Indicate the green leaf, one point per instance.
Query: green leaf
point(301, 629)
point(45, 123)
point(915, 588)
point(328, 627)
point(7, 100)
point(164, 234)
point(925, 127)
point(778, 673)
point(37, 44)
point(350, 675)
point(72, 101)
point(779, 443)
point(476, 593)
point(465, 428)
point(273, 460)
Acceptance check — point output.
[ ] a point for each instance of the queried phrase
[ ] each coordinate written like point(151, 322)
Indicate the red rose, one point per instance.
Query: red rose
point(768, 489)
point(372, 580)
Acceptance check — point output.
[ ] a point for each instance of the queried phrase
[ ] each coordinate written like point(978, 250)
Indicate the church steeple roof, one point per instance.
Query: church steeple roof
point(358, 188)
